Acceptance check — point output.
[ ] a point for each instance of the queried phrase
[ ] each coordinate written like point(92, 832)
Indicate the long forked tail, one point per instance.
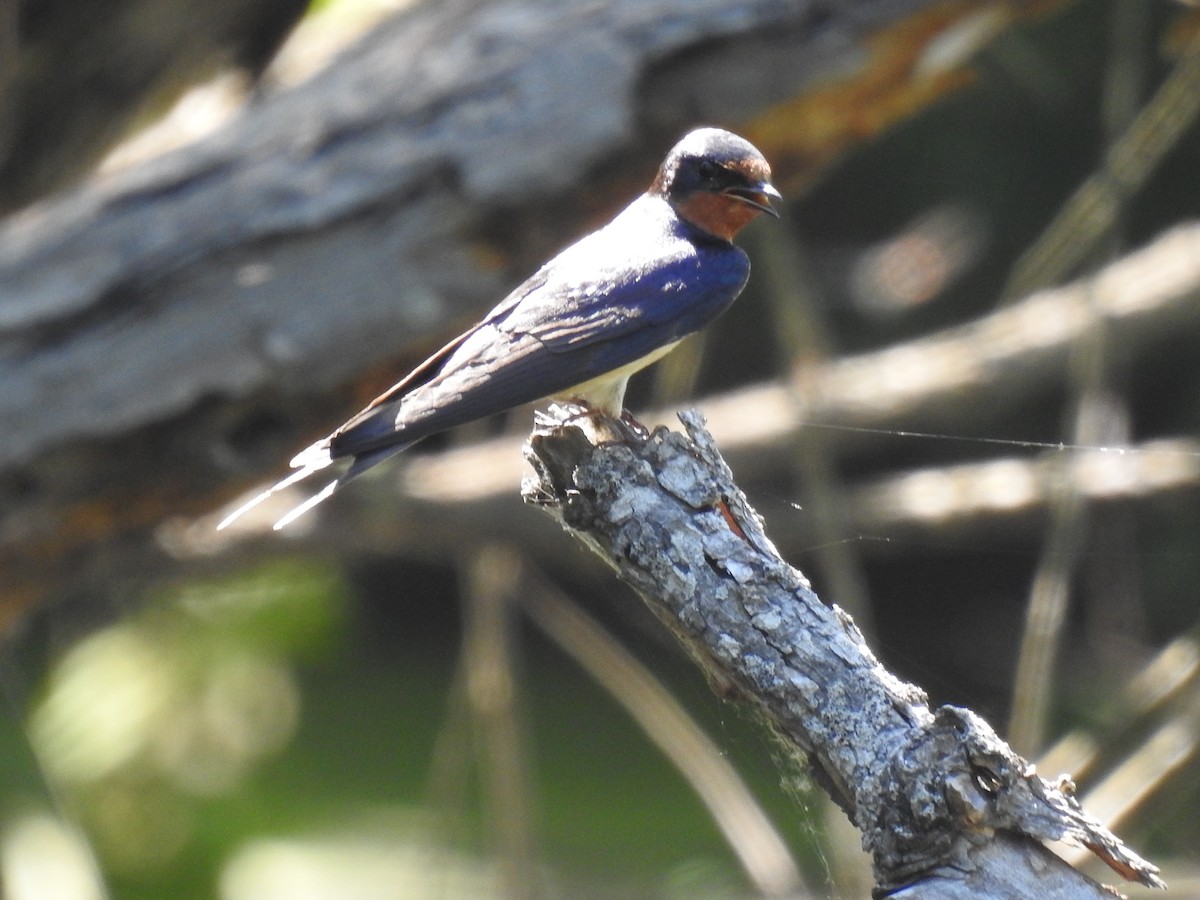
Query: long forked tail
point(310, 460)
point(307, 462)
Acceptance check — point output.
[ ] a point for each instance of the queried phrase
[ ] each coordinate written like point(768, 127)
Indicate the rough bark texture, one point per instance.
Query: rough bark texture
point(930, 790)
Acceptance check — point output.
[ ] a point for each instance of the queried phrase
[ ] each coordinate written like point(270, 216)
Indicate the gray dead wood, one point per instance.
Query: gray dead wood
point(946, 809)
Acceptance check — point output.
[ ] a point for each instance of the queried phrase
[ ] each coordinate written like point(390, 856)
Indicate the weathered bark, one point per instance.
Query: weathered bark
point(945, 807)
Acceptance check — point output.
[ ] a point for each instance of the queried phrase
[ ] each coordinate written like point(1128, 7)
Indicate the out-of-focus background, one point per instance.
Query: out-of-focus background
point(962, 387)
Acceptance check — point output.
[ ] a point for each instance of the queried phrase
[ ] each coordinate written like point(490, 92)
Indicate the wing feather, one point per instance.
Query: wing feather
point(602, 304)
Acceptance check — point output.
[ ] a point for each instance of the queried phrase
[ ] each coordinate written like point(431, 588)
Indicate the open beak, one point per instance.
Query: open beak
point(758, 195)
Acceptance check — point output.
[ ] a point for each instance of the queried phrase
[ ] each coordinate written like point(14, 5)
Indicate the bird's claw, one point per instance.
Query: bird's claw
point(603, 428)
point(632, 430)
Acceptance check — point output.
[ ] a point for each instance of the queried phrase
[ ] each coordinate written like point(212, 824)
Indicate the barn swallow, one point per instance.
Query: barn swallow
point(610, 304)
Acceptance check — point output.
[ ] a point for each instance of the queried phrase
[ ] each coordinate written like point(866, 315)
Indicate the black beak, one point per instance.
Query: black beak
point(757, 195)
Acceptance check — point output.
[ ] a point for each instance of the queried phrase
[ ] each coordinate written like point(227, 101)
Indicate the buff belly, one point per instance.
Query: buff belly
point(607, 392)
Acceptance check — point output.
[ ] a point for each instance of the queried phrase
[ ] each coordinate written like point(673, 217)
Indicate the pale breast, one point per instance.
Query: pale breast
point(607, 392)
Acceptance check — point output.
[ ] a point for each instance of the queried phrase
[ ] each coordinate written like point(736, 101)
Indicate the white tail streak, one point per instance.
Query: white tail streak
point(325, 493)
point(308, 461)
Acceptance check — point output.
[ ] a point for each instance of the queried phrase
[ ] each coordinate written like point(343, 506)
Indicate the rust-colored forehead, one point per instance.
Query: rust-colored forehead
point(753, 168)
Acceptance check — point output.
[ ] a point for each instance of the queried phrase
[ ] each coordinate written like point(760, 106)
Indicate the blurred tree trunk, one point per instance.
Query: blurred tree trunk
point(75, 76)
point(172, 332)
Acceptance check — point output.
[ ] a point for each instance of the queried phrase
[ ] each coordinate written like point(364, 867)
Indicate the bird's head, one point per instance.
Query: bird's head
point(716, 181)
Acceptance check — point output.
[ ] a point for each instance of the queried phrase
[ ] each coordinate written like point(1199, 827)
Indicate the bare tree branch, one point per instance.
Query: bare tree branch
point(945, 807)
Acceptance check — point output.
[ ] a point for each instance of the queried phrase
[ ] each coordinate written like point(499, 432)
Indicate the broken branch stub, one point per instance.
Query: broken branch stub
point(944, 805)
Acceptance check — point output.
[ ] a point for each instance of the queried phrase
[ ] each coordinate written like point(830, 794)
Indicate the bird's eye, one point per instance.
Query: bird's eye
point(707, 169)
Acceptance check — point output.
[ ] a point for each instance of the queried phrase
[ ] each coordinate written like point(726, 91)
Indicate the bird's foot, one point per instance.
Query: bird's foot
point(634, 431)
point(603, 428)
